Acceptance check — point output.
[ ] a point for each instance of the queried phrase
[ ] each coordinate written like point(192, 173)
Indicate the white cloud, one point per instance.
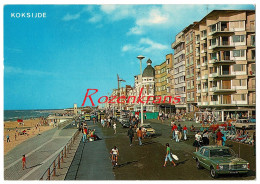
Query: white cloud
point(95, 18)
point(145, 45)
point(69, 17)
point(16, 70)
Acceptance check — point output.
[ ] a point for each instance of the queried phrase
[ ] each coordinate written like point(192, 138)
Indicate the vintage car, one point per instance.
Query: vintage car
point(245, 123)
point(148, 130)
point(220, 160)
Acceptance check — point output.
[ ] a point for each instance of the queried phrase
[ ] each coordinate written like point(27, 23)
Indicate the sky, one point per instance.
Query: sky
point(49, 63)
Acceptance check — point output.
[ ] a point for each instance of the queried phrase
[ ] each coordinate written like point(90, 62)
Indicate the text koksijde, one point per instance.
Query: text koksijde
point(130, 99)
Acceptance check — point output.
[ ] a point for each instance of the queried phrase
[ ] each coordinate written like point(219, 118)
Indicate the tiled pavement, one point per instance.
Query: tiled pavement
point(40, 152)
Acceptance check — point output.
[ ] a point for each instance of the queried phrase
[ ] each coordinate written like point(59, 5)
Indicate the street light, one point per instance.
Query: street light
point(140, 57)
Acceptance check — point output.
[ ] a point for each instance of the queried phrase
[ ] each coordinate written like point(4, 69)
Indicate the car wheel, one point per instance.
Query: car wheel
point(198, 164)
point(213, 173)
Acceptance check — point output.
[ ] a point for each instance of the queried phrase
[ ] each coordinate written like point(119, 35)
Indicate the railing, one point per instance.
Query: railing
point(56, 164)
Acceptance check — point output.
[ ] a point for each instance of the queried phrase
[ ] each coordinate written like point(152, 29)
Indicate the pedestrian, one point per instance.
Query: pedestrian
point(168, 155)
point(177, 135)
point(205, 138)
point(7, 138)
point(140, 136)
point(185, 131)
point(115, 153)
point(180, 131)
point(197, 142)
point(102, 122)
point(94, 120)
point(24, 162)
point(15, 136)
point(145, 116)
point(130, 134)
point(219, 136)
point(174, 127)
point(85, 133)
point(114, 127)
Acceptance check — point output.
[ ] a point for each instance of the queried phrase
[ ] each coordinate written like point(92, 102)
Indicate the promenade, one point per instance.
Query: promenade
point(91, 161)
point(40, 152)
point(144, 162)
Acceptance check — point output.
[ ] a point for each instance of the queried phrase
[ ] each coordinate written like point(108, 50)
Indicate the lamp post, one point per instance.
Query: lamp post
point(140, 57)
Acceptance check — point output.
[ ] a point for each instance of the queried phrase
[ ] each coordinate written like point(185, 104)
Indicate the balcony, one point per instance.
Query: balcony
point(225, 90)
point(239, 102)
point(203, 37)
point(213, 103)
point(188, 99)
point(225, 75)
point(188, 87)
point(187, 64)
point(187, 76)
point(205, 103)
point(204, 64)
point(212, 61)
point(205, 90)
point(198, 66)
point(213, 75)
point(205, 77)
point(192, 87)
point(199, 103)
point(191, 75)
point(212, 89)
point(198, 90)
point(204, 51)
point(192, 99)
point(198, 78)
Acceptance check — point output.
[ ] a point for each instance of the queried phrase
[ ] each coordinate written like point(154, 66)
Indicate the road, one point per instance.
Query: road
point(40, 151)
point(145, 162)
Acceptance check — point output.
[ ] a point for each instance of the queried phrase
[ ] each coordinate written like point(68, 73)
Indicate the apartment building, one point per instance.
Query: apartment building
point(190, 54)
point(164, 84)
point(178, 71)
point(225, 62)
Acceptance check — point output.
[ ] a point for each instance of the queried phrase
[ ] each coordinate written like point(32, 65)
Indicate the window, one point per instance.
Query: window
point(238, 38)
point(238, 67)
point(253, 40)
point(238, 53)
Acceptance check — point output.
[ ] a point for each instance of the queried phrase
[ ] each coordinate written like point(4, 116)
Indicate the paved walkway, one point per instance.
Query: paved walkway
point(40, 151)
point(91, 161)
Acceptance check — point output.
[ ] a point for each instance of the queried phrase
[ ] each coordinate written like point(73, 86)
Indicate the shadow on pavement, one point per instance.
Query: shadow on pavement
point(34, 166)
point(147, 143)
point(127, 163)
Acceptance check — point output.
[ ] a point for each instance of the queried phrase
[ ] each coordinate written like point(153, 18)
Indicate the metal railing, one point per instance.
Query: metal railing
point(56, 164)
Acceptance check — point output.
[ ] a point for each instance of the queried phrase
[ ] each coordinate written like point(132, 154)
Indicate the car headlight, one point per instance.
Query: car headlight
point(221, 167)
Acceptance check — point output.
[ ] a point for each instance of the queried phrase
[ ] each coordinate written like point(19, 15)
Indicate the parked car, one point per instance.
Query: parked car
point(220, 160)
point(246, 123)
point(148, 130)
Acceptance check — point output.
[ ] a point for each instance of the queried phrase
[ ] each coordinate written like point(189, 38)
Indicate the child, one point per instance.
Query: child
point(114, 127)
point(24, 162)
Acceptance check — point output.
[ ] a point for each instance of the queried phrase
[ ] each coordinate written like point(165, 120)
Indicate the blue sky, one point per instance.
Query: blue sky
point(50, 63)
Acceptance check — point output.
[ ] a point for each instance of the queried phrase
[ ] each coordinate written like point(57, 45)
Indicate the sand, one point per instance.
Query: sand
point(29, 126)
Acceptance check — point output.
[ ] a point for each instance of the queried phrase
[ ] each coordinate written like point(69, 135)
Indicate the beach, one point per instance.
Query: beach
point(13, 127)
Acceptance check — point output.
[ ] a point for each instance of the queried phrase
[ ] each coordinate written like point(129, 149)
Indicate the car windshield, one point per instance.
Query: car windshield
point(147, 126)
point(220, 153)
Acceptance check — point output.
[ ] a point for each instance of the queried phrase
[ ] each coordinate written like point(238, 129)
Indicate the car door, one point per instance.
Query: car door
point(205, 158)
point(202, 159)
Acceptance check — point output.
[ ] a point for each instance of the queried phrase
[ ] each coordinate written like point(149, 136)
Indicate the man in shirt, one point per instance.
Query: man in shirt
point(219, 136)
point(130, 134)
point(174, 127)
point(140, 136)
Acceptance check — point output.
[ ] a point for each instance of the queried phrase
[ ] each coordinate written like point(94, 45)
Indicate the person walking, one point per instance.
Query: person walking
point(197, 142)
point(219, 136)
point(115, 153)
point(177, 135)
point(185, 131)
point(7, 138)
point(140, 136)
point(174, 127)
point(114, 127)
point(180, 131)
point(85, 133)
point(130, 134)
point(24, 162)
point(168, 156)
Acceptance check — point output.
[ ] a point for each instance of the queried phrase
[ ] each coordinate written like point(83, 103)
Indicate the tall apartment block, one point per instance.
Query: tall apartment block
point(225, 62)
point(163, 83)
point(179, 71)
